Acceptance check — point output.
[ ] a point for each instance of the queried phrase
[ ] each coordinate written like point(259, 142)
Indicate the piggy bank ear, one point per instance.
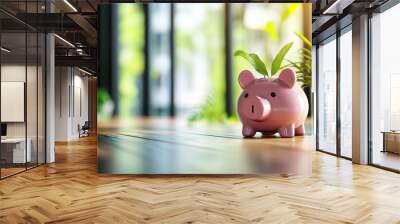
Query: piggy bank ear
point(245, 78)
point(287, 77)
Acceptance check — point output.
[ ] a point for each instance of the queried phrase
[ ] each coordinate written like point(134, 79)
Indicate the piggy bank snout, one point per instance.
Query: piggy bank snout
point(257, 108)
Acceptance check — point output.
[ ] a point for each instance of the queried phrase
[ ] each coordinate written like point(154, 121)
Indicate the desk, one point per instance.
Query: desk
point(16, 148)
point(391, 141)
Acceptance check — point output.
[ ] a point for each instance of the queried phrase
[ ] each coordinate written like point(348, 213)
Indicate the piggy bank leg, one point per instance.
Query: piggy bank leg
point(299, 131)
point(287, 132)
point(248, 131)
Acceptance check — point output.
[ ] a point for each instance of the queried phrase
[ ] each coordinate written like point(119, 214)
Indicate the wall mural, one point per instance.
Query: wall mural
point(170, 69)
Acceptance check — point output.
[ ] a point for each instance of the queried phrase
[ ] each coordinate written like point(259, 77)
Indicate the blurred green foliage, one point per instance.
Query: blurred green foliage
point(302, 65)
point(102, 98)
point(272, 31)
point(211, 29)
point(208, 112)
point(271, 36)
point(289, 10)
point(131, 58)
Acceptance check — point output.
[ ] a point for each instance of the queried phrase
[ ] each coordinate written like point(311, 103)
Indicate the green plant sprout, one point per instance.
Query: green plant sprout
point(260, 66)
point(303, 66)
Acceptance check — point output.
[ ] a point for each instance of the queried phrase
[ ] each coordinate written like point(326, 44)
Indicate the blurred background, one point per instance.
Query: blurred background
point(178, 59)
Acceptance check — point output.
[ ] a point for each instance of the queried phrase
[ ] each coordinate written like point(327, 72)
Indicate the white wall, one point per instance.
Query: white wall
point(14, 73)
point(80, 104)
point(71, 102)
point(17, 73)
point(62, 81)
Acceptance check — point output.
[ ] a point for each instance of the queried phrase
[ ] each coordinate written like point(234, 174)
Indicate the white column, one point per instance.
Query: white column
point(63, 103)
point(50, 99)
point(360, 90)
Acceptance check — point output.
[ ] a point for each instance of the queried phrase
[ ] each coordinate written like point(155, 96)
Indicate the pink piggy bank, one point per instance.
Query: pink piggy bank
point(272, 105)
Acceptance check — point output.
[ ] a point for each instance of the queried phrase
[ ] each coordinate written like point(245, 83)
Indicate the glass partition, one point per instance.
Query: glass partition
point(41, 105)
point(22, 92)
point(346, 93)
point(385, 89)
point(32, 98)
point(327, 96)
point(14, 154)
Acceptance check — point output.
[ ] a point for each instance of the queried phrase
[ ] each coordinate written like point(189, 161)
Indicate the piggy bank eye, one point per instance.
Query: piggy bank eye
point(273, 94)
point(246, 95)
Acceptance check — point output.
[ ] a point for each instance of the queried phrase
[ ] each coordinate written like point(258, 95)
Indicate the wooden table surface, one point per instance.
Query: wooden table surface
point(161, 146)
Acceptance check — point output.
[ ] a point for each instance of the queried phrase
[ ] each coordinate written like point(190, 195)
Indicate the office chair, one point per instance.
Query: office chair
point(84, 130)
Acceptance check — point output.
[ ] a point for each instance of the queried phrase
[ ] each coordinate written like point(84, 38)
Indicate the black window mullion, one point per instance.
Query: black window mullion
point(146, 72)
point(26, 87)
point(317, 97)
point(172, 111)
point(228, 61)
point(369, 79)
point(37, 90)
point(45, 90)
point(338, 94)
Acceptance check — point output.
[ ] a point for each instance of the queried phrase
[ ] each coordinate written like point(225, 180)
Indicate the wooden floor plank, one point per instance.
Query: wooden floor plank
point(71, 191)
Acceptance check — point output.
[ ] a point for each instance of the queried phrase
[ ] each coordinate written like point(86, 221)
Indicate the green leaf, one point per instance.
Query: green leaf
point(305, 40)
point(243, 54)
point(259, 64)
point(254, 60)
point(276, 63)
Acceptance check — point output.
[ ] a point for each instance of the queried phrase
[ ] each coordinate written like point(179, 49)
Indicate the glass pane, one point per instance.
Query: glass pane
point(160, 58)
point(346, 93)
point(327, 97)
point(199, 67)
point(41, 99)
point(32, 89)
point(385, 84)
point(31, 98)
point(13, 87)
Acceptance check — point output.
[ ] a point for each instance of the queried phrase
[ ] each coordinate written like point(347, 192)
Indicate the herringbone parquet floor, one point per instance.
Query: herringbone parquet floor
point(71, 191)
